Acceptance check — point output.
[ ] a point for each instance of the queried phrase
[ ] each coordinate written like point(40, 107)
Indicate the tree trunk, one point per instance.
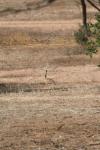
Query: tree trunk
point(84, 13)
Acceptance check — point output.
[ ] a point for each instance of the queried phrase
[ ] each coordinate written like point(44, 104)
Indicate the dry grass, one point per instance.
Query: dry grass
point(61, 112)
point(26, 10)
point(54, 118)
point(15, 37)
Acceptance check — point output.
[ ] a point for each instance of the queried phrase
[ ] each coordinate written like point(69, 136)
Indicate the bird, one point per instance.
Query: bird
point(49, 80)
point(46, 72)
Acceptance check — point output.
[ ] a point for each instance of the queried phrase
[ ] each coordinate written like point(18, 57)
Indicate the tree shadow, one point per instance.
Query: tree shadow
point(29, 6)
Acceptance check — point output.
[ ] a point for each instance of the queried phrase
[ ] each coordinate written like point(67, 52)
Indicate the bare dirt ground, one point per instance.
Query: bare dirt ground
point(62, 111)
